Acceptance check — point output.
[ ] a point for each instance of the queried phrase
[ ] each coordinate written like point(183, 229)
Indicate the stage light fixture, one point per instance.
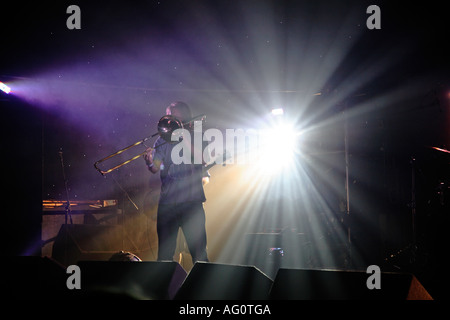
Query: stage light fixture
point(278, 112)
point(5, 88)
point(278, 147)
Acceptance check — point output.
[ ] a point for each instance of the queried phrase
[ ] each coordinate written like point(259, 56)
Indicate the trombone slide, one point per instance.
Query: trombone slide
point(103, 172)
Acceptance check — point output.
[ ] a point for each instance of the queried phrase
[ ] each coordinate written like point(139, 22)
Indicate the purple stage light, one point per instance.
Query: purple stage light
point(5, 88)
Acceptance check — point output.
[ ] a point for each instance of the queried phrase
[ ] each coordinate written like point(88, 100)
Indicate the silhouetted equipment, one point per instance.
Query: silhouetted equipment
point(296, 284)
point(76, 242)
point(33, 278)
point(131, 279)
point(213, 281)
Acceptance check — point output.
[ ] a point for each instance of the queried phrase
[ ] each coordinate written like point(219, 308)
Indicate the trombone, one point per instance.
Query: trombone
point(103, 172)
point(166, 126)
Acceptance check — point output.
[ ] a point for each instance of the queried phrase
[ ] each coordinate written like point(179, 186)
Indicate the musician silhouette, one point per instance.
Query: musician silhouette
point(182, 196)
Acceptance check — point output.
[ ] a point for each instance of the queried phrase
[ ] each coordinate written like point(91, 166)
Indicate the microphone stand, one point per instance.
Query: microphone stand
point(68, 212)
point(347, 186)
point(126, 194)
point(413, 208)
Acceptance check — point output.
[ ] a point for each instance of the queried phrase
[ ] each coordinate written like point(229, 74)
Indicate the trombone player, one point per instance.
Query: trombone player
point(181, 199)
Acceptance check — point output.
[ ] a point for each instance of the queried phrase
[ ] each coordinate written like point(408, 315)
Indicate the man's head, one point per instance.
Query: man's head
point(179, 110)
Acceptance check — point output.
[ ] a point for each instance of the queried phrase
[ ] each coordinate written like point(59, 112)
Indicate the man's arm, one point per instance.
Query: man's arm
point(152, 166)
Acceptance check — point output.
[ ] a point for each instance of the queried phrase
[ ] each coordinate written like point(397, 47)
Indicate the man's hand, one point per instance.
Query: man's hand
point(148, 157)
point(153, 167)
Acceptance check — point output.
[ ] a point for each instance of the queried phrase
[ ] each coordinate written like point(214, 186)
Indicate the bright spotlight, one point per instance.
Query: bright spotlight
point(277, 112)
point(278, 147)
point(5, 88)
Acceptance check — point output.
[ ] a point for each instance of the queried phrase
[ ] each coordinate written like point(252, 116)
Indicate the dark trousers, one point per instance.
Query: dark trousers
point(190, 217)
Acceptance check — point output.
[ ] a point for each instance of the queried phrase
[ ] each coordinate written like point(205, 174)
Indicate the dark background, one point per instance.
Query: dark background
point(92, 91)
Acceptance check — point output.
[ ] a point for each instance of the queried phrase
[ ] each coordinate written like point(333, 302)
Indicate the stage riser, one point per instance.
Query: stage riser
point(44, 278)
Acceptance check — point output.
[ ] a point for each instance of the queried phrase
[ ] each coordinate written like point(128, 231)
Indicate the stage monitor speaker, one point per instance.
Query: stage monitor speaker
point(76, 242)
point(146, 280)
point(213, 281)
point(33, 278)
point(295, 284)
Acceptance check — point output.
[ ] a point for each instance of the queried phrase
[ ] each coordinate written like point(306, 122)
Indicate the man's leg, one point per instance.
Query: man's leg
point(193, 225)
point(167, 230)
